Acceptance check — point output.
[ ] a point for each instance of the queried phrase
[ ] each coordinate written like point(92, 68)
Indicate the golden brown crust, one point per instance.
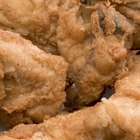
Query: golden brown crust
point(95, 40)
point(77, 30)
point(116, 118)
point(32, 82)
point(131, 10)
point(35, 20)
point(89, 40)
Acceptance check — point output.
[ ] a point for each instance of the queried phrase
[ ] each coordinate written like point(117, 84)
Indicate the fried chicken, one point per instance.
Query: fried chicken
point(81, 33)
point(32, 82)
point(95, 41)
point(34, 19)
point(131, 10)
point(114, 119)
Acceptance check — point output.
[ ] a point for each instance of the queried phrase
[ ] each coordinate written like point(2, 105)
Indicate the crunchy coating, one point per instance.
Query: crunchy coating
point(95, 41)
point(131, 10)
point(80, 32)
point(34, 19)
point(116, 118)
point(32, 82)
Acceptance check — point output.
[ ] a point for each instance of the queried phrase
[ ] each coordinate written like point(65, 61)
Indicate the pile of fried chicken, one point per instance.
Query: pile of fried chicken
point(57, 57)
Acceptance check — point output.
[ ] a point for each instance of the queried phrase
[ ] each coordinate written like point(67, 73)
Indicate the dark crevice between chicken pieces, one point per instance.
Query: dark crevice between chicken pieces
point(107, 93)
point(87, 2)
point(90, 2)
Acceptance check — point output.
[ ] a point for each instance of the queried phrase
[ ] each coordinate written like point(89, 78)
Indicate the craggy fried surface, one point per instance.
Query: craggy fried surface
point(37, 20)
point(131, 10)
point(34, 19)
point(95, 41)
point(117, 118)
point(32, 82)
point(84, 34)
point(96, 38)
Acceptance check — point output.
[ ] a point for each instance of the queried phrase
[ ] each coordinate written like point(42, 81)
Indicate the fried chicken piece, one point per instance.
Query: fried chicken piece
point(95, 41)
point(32, 82)
point(114, 119)
point(34, 19)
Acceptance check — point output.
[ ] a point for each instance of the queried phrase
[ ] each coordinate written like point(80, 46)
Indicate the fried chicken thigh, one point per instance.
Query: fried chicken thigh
point(32, 82)
point(114, 119)
point(34, 19)
point(95, 41)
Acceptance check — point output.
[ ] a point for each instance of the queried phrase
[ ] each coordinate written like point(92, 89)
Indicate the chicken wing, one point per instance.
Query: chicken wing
point(114, 119)
point(32, 82)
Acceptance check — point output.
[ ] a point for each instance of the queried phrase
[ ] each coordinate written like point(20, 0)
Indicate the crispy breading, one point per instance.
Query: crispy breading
point(116, 118)
point(79, 31)
point(32, 82)
point(34, 19)
point(131, 10)
point(95, 41)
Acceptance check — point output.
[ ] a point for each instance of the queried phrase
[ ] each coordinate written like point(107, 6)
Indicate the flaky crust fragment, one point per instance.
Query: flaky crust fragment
point(32, 82)
point(116, 118)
